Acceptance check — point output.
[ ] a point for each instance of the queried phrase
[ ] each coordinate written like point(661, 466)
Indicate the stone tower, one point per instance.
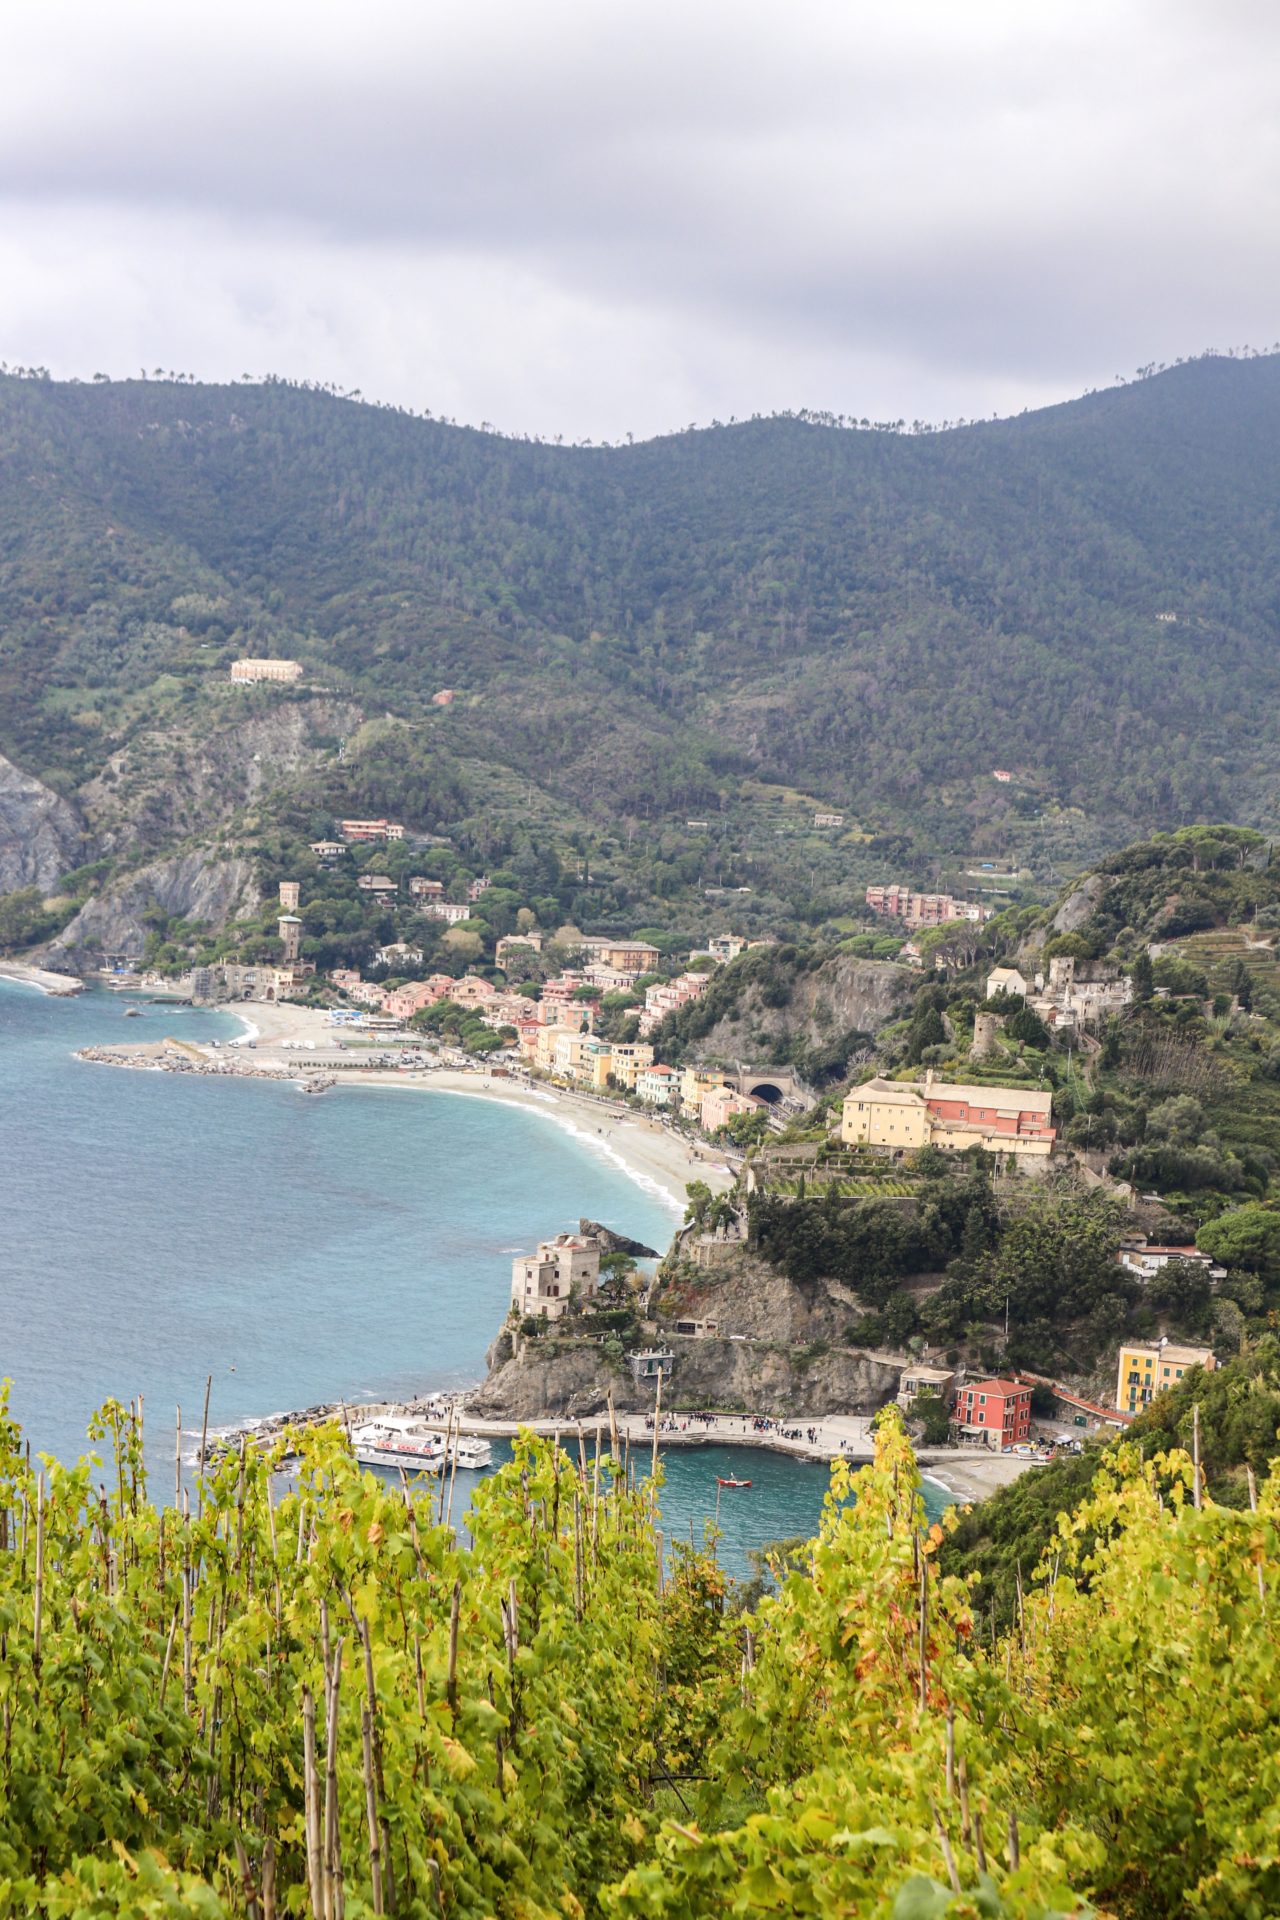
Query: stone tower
point(290, 937)
point(290, 894)
point(985, 1028)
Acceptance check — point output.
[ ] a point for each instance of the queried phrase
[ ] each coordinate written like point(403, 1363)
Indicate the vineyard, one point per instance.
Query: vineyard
point(322, 1703)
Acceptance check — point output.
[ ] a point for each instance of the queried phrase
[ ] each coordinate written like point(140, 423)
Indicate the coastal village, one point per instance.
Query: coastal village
point(588, 1018)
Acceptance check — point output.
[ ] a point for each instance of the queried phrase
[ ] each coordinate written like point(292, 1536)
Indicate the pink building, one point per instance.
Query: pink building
point(720, 1104)
point(404, 1002)
point(473, 990)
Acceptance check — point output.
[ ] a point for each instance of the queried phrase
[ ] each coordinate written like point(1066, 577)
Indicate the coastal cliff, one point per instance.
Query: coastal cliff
point(41, 834)
point(776, 1348)
point(195, 886)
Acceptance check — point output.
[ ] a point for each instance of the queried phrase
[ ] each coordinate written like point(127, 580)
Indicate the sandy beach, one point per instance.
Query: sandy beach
point(299, 1042)
point(57, 984)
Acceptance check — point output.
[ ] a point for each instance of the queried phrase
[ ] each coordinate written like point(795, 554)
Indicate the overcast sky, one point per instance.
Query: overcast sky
point(598, 216)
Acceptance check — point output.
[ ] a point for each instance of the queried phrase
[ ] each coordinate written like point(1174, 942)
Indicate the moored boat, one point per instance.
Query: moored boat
point(386, 1446)
point(721, 1481)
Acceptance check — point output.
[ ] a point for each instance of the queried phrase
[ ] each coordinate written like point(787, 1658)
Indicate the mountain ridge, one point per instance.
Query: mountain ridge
point(877, 617)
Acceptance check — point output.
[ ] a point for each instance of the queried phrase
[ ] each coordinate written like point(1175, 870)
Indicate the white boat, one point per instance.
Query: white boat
point(473, 1453)
point(384, 1446)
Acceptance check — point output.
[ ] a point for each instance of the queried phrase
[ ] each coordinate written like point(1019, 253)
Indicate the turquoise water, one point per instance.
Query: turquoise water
point(157, 1229)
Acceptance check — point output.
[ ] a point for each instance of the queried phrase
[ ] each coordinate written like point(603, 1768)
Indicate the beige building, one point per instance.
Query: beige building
point(908, 1114)
point(916, 1380)
point(290, 895)
point(562, 1272)
point(244, 671)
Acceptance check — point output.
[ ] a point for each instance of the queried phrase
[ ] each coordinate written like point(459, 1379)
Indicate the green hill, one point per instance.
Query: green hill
point(1085, 596)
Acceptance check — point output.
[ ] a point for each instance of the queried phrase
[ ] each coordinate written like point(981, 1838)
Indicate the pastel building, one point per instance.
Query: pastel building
point(1144, 1371)
point(904, 1115)
point(994, 1413)
point(721, 1104)
point(562, 1272)
point(658, 1086)
point(630, 1058)
point(245, 671)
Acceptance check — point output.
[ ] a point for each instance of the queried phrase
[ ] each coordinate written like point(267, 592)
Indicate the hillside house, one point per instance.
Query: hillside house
point(420, 888)
point(370, 832)
point(399, 954)
point(1143, 1371)
point(904, 1115)
point(1145, 1260)
point(380, 884)
point(244, 672)
point(452, 912)
point(916, 1379)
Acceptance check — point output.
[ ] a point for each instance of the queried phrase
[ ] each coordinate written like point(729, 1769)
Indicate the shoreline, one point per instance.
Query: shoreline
point(58, 986)
point(966, 1477)
point(283, 1042)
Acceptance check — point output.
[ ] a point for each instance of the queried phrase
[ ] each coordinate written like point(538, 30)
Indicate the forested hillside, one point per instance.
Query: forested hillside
point(1086, 597)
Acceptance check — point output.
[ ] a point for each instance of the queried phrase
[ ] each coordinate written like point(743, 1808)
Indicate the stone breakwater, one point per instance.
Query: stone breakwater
point(174, 1056)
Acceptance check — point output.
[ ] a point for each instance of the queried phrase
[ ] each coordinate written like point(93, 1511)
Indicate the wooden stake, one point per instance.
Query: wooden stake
point(204, 1443)
point(177, 1457)
point(965, 1824)
point(944, 1842)
point(657, 1422)
point(951, 1751)
point(332, 1829)
point(980, 1852)
point(38, 1608)
point(371, 1810)
point(1195, 1452)
point(311, 1805)
point(1015, 1854)
point(451, 1690)
point(613, 1427)
point(168, 1651)
point(268, 1880)
point(924, 1632)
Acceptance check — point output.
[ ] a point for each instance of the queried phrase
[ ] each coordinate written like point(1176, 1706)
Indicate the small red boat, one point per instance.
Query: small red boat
point(731, 1483)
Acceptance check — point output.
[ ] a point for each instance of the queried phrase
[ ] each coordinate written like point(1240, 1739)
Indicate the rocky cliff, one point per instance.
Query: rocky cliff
point(179, 781)
point(193, 886)
point(41, 834)
point(843, 993)
point(546, 1378)
point(778, 1349)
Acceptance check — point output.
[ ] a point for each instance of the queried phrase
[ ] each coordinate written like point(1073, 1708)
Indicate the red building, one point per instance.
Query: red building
point(995, 1413)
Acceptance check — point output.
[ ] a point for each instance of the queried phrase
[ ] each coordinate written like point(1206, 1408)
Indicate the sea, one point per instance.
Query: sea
point(160, 1230)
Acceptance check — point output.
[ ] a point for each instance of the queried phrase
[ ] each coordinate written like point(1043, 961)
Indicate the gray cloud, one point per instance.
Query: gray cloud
point(596, 219)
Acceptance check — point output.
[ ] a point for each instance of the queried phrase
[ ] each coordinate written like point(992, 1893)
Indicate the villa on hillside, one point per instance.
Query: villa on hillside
point(561, 1272)
point(903, 1115)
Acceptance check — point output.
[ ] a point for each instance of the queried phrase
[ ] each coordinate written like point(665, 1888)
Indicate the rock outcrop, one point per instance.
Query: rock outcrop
point(778, 1348)
point(611, 1242)
point(41, 834)
point(193, 886)
point(843, 993)
point(547, 1377)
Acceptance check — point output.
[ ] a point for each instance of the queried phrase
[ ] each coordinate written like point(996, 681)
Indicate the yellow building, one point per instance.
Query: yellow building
point(1145, 1371)
point(907, 1114)
point(628, 1059)
point(695, 1085)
